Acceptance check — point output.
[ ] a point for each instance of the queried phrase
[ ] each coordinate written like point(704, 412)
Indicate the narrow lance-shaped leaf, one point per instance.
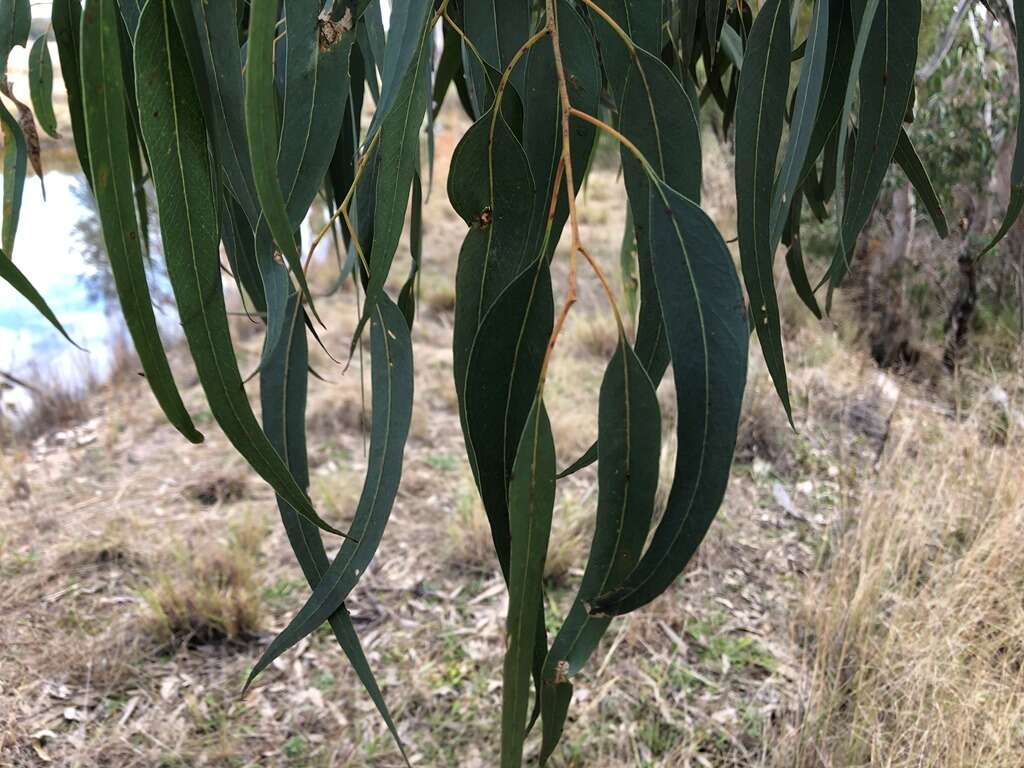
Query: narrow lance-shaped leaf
point(217, 33)
point(629, 442)
point(795, 258)
point(392, 388)
point(708, 337)
point(886, 65)
point(531, 500)
point(17, 280)
point(186, 195)
point(283, 390)
point(760, 117)
point(40, 78)
point(262, 132)
point(1016, 204)
point(812, 75)
point(396, 154)
point(15, 166)
point(907, 158)
point(109, 154)
point(65, 17)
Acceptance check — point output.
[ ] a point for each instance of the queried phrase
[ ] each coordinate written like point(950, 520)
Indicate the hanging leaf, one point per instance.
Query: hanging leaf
point(283, 385)
point(392, 387)
point(106, 124)
point(175, 135)
point(40, 74)
point(531, 501)
point(629, 442)
point(707, 334)
point(907, 158)
point(886, 84)
point(812, 75)
point(760, 117)
point(262, 132)
point(66, 18)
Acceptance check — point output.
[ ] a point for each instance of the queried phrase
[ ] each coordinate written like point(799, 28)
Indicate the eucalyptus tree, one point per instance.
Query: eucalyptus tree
point(239, 114)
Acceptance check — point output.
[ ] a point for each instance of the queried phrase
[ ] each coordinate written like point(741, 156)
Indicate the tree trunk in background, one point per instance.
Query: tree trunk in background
point(886, 284)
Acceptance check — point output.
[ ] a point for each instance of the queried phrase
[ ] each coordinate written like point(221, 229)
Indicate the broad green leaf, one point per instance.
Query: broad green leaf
point(261, 127)
point(531, 500)
point(907, 158)
point(629, 442)
point(886, 84)
point(392, 388)
point(283, 385)
point(173, 130)
point(760, 117)
point(1016, 204)
point(66, 18)
point(106, 125)
point(40, 78)
point(708, 335)
point(15, 164)
point(17, 280)
point(805, 111)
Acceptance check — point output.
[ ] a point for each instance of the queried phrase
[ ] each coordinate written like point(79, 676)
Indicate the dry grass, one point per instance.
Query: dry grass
point(209, 593)
point(916, 625)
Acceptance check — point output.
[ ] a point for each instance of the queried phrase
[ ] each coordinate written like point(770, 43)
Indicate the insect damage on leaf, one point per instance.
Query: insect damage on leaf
point(28, 127)
point(331, 31)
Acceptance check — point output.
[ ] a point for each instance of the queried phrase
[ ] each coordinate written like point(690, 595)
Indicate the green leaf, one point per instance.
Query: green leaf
point(283, 385)
point(501, 378)
point(795, 258)
point(217, 32)
point(110, 157)
point(262, 131)
point(886, 85)
point(397, 152)
point(531, 500)
point(629, 441)
point(40, 78)
point(66, 18)
point(1017, 171)
point(760, 117)
point(14, 277)
point(907, 158)
point(173, 130)
point(392, 387)
point(15, 24)
point(805, 111)
point(316, 89)
point(542, 132)
point(15, 163)
point(708, 335)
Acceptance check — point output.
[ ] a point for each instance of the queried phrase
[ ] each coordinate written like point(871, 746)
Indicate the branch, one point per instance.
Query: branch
point(945, 42)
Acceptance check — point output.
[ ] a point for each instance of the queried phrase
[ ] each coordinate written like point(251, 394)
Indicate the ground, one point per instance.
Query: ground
point(140, 577)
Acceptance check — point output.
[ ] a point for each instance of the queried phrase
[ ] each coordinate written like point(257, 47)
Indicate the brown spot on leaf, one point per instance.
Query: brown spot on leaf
point(331, 31)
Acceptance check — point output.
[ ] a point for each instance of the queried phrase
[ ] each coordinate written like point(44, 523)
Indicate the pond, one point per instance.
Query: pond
point(59, 247)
